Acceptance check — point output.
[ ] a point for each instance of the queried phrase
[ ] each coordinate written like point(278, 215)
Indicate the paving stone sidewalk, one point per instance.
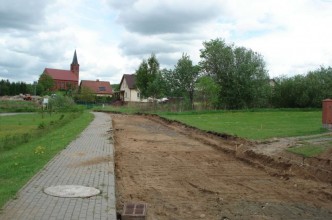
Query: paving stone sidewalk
point(87, 161)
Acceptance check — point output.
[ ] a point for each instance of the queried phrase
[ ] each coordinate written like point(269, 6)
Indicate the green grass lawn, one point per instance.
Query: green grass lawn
point(18, 129)
point(25, 123)
point(18, 106)
point(20, 163)
point(255, 124)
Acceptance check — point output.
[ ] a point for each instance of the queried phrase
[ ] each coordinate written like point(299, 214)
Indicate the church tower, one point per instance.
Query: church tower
point(75, 67)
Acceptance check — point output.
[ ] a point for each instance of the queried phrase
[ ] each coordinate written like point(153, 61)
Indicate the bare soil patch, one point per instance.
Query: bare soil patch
point(184, 173)
point(93, 161)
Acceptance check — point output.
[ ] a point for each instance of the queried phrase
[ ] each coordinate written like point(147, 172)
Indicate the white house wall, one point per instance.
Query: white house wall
point(130, 95)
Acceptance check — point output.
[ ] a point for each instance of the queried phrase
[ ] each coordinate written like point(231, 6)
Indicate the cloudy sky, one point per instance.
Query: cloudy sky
point(113, 36)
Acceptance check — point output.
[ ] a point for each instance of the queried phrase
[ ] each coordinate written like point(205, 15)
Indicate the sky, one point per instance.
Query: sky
point(112, 37)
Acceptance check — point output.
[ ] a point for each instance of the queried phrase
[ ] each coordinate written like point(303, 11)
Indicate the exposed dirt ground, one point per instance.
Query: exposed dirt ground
point(183, 173)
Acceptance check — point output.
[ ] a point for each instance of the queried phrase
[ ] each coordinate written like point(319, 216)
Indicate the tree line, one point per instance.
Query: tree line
point(302, 91)
point(231, 77)
point(15, 88)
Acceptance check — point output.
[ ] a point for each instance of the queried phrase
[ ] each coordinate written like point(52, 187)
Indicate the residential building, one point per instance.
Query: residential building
point(99, 88)
point(128, 90)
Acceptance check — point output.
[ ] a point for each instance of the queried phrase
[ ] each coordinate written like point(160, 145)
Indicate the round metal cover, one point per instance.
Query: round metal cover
point(71, 191)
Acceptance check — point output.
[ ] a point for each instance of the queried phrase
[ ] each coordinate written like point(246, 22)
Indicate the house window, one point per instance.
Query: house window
point(102, 88)
point(138, 95)
point(125, 94)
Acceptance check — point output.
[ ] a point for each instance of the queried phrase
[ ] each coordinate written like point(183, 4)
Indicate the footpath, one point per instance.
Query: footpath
point(87, 161)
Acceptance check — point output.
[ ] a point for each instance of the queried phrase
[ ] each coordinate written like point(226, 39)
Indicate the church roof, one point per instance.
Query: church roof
point(57, 74)
point(130, 79)
point(75, 62)
point(98, 87)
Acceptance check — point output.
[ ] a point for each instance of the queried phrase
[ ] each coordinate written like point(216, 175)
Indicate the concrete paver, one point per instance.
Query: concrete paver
point(87, 161)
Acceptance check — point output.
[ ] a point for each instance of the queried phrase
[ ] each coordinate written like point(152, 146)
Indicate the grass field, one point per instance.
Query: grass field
point(17, 129)
point(254, 124)
point(20, 163)
point(25, 123)
point(18, 106)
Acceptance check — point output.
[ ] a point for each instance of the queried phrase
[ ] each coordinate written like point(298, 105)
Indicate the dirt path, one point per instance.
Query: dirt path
point(183, 175)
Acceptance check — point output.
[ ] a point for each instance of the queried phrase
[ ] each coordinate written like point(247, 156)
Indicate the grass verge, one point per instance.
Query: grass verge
point(19, 164)
point(256, 125)
point(18, 129)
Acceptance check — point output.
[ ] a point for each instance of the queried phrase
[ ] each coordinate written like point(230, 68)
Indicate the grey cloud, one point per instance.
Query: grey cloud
point(145, 46)
point(167, 60)
point(122, 4)
point(17, 73)
point(164, 18)
point(21, 14)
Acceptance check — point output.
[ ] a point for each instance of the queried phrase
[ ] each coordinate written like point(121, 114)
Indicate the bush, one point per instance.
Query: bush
point(41, 125)
point(61, 103)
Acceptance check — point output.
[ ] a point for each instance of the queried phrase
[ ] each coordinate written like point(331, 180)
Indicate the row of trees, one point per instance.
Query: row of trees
point(44, 84)
point(15, 88)
point(231, 77)
point(303, 90)
point(227, 77)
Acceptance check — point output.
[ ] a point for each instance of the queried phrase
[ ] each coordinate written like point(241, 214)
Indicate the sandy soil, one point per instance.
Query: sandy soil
point(182, 173)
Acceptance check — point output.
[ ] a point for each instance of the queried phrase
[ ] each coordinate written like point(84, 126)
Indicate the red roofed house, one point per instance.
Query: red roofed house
point(99, 88)
point(65, 79)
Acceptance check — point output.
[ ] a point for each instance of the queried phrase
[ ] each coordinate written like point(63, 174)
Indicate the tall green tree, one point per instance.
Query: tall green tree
point(46, 82)
point(207, 91)
point(171, 88)
point(4, 87)
point(184, 77)
point(239, 72)
point(148, 78)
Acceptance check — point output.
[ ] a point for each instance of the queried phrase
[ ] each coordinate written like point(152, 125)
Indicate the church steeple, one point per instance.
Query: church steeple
point(75, 67)
point(74, 59)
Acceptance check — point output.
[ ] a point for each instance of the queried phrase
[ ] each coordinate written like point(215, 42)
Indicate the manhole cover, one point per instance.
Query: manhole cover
point(71, 191)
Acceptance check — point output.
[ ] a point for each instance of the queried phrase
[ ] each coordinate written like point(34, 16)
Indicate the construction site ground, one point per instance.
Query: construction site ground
point(184, 173)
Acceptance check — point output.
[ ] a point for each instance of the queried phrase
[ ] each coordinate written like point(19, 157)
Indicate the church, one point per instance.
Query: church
point(65, 79)
point(69, 80)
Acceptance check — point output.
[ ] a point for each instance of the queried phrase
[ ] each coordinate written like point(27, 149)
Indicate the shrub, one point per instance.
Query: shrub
point(41, 125)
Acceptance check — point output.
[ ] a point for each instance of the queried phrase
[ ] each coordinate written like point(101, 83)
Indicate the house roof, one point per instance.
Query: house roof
point(98, 87)
point(130, 79)
point(61, 74)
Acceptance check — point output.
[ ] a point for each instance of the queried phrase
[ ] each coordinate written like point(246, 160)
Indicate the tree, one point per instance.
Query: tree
point(46, 82)
point(184, 77)
point(169, 86)
point(239, 72)
point(207, 91)
point(86, 95)
point(302, 91)
point(148, 78)
point(115, 87)
point(4, 87)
